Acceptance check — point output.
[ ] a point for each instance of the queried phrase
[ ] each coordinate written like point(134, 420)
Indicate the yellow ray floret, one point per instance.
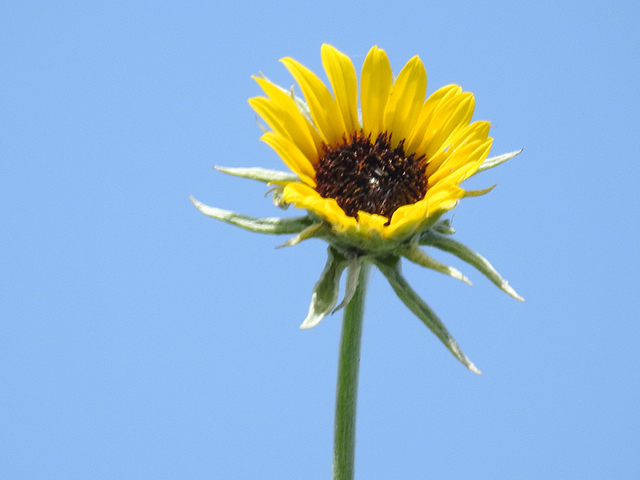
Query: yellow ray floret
point(437, 129)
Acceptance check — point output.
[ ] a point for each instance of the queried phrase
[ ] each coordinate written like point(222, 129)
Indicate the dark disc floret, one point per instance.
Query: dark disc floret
point(370, 176)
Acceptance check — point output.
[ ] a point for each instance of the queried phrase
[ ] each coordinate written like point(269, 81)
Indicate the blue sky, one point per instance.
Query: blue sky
point(141, 339)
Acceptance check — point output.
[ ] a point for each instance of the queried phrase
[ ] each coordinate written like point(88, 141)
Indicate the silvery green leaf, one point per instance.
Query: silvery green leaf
point(416, 255)
point(309, 232)
point(463, 252)
point(325, 291)
point(261, 126)
point(353, 274)
point(278, 197)
point(477, 193)
point(495, 161)
point(390, 268)
point(444, 226)
point(302, 106)
point(272, 225)
point(259, 174)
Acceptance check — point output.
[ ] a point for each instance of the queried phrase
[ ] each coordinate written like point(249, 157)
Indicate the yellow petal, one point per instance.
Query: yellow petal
point(324, 109)
point(370, 223)
point(284, 101)
point(292, 157)
point(464, 160)
point(457, 119)
point(375, 86)
point(406, 100)
point(437, 98)
point(471, 133)
point(441, 124)
point(408, 218)
point(444, 199)
point(461, 156)
point(475, 131)
point(303, 196)
point(342, 76)
point(285, 125)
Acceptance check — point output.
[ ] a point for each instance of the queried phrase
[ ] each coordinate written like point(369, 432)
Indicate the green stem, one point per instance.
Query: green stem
point(344, 434)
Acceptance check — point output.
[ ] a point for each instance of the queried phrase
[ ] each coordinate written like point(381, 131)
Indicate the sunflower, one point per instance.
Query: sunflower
point(382, 173)
point(374, 182)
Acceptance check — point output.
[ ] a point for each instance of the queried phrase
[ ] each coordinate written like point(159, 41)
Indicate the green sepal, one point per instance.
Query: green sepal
point(277, 197)
point(325, 291)
point(477, 193)
point(463, 252)
point(390, 268)
point(301, 104)
point(259, 174)
point(314, 230)
point(353, 274)
point(261, 126)
point(444, 227)
point(416, 255)
point(495, 161)
point(272, 225)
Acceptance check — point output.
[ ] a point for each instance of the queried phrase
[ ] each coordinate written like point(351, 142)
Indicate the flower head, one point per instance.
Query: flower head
point(374, 182)
point(386, 174)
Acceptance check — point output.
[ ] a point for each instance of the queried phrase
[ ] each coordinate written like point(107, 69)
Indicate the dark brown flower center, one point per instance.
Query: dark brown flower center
point(370, 176)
